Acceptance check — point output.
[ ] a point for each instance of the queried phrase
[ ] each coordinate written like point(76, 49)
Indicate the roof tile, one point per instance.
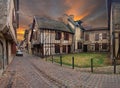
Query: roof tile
point(48, 23)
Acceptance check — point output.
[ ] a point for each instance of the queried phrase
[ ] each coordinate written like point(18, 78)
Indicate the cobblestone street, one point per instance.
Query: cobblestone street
point(32, 72)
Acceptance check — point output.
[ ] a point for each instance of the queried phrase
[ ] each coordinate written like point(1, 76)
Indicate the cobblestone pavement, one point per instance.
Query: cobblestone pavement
point(32, 72)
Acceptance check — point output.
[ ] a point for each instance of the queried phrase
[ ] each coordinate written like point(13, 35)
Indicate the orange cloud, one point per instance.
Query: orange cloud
point(20, 33)
point(78, 9)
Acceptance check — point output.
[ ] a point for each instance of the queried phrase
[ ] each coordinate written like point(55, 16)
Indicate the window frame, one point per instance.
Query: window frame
point(66, 36)
point(104, 35)
point(97, 37)
point(87, 37)
point(57, 35)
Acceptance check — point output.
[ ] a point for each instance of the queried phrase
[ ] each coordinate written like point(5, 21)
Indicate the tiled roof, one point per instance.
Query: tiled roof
point(47, 23)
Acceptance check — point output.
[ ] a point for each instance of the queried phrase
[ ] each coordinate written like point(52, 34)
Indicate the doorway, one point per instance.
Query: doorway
point(69, 48)
point(96, 47)
point(85, 48)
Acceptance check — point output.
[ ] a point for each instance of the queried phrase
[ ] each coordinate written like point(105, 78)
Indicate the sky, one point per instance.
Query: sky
point(92, 12)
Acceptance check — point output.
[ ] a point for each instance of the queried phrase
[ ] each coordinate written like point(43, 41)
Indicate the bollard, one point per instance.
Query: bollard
point(72, 62)
point(114, 62)
point(61, 60)
point(91, 65)
point(52, 59)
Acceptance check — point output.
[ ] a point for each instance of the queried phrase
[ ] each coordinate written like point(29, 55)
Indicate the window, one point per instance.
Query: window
point(66, 36)
point(57, 35)
point(79, 45)
point(82, 34)
point(86, 37)
point(96, 37)
point(57, 48)
point(104, 35)
point(104, 46)
point(64, 48)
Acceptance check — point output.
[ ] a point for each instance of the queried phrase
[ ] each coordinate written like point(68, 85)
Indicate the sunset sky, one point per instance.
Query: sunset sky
point(91, 12)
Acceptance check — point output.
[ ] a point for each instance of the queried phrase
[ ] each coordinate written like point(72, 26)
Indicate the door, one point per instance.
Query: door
point(1, 55)
point(41, 50)
point(69, 48)
point(96, 47)
point(85, 48)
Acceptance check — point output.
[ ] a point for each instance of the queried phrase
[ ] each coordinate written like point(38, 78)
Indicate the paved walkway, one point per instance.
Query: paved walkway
point(33, 72)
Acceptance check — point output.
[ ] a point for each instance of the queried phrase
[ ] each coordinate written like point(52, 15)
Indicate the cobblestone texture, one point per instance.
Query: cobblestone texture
point(33, 72)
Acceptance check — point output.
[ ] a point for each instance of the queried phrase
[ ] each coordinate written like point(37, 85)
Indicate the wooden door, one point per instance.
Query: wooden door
point(96, 47)
point(69, 48)
point(85, 48)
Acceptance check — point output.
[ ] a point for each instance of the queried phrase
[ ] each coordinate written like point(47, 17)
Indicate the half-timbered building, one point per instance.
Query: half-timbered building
point(50, 37)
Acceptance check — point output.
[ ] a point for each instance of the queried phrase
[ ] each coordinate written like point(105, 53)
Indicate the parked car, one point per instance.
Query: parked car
point(19, 53)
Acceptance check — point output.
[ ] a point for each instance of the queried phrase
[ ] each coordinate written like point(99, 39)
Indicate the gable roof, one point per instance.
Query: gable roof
point(47, 23)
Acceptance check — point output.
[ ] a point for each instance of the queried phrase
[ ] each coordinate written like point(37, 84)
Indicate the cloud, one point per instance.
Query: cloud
point(92, 12)
point(20, 33)
point(89, 11)
point(81, 9)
